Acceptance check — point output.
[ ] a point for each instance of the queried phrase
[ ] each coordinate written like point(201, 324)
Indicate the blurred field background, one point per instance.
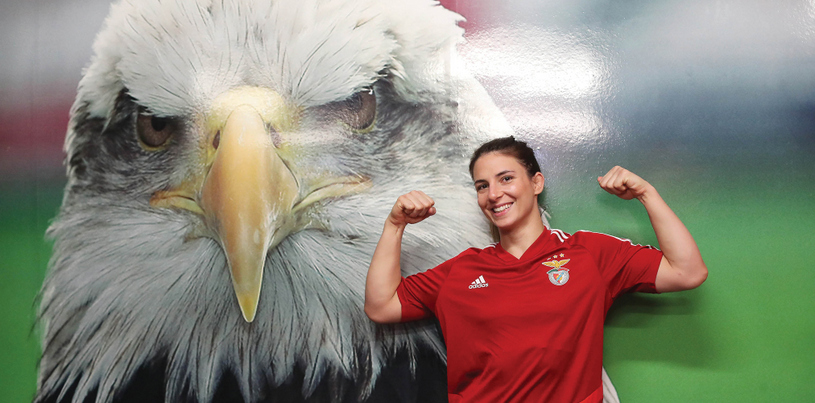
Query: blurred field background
point(711, 101)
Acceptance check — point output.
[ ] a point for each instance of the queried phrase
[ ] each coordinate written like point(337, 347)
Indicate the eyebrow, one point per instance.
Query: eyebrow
point(502, 173)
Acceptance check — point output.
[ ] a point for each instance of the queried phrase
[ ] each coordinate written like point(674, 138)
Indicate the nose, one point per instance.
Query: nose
point(494, 193)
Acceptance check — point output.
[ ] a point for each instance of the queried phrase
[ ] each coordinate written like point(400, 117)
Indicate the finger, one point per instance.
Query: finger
point(420, 204)
point(609, 177)
point(415, 205)
point(427, 205)
point(610, 173)
point(620, 183)
point(405, 204)
point(607, 180)
point(428, 201)
point(622, 178)
point(635, 183)
point(419, 212)
point(617, 182)
point(422, 199)
point(631, 181)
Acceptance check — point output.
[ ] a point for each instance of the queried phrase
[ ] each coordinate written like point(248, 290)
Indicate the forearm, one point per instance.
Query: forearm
point(384, 275)
point(678, 246)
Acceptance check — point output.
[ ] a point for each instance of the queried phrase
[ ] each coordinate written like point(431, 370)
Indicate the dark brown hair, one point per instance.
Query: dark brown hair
point(511, 147)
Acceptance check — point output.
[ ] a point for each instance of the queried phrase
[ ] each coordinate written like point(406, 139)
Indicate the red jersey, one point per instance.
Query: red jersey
point(529, 329)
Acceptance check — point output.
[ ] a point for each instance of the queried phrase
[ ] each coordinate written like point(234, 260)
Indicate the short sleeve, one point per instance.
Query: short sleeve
point(418, 292)
point(624, 266)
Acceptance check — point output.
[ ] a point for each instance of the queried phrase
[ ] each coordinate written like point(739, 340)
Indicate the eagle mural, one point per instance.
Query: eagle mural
point(230, 165)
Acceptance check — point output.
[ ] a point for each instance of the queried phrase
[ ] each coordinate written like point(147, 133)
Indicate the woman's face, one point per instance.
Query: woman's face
point(508, 197)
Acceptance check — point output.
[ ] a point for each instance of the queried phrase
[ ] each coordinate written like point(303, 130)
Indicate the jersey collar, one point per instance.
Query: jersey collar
point(534, 250)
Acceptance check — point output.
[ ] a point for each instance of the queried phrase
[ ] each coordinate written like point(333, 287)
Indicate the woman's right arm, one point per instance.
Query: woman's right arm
point(384, 275)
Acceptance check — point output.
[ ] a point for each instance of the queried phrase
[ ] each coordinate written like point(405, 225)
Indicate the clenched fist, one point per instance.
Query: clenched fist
point(624, 183)
point(411, 208)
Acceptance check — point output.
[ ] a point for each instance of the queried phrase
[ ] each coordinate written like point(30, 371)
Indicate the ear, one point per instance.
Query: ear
point(537, 182)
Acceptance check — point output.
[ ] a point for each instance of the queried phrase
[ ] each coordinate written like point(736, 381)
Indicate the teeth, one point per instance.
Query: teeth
point(501, 208)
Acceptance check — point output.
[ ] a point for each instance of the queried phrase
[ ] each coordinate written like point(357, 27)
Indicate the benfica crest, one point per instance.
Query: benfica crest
point(558, 275)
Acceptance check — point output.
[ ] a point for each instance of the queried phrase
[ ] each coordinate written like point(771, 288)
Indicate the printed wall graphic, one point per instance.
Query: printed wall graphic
point(230, 165)
point(152, 233)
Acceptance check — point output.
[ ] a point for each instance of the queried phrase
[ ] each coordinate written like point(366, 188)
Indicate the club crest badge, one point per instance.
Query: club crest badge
point(558, 275)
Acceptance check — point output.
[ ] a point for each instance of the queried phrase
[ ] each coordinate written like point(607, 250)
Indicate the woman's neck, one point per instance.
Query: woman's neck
point(518, 240)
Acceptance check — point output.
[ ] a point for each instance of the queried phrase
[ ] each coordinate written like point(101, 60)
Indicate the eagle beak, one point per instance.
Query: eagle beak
point(248, 191)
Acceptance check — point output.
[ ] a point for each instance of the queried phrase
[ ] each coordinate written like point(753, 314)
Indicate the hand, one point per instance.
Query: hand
point(624, 183)
point(411, 208)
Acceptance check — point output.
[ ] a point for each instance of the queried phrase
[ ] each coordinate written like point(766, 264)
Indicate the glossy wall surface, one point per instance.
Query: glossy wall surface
point(713, 102)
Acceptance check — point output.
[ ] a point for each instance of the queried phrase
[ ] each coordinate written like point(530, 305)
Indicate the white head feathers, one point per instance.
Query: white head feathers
point(174, 57)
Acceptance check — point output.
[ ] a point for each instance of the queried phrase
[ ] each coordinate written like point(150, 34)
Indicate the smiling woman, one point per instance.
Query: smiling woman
point(501, 307)
point(508, 196)
point(506, 175)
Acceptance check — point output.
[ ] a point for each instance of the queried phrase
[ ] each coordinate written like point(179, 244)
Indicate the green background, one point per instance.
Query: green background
point(746, 335)
point(26, 207)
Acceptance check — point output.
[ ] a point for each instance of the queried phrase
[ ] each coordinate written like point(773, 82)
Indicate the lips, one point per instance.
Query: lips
point(501, 209)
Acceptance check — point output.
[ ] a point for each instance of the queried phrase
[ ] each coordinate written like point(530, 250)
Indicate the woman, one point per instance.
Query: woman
point(523, 318)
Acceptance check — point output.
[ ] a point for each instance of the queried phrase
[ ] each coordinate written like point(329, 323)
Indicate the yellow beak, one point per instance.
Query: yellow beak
point(247, 191)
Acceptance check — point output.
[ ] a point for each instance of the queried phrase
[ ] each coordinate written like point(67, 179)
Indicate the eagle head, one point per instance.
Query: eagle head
point(230, 165)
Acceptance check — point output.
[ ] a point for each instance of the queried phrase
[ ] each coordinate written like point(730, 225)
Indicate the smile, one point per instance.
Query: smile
point(501, 208)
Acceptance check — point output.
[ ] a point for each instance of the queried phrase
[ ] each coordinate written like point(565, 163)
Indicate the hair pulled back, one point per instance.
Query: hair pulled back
point(511, 147)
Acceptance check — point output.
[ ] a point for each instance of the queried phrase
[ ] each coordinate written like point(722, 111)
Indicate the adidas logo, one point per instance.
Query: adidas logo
point(479, 283)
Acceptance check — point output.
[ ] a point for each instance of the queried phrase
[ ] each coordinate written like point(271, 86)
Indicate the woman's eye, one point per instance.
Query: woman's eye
point(506, 178)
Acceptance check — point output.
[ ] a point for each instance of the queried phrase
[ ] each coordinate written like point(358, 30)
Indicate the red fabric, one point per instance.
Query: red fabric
point(596, 397)
point(512, 334)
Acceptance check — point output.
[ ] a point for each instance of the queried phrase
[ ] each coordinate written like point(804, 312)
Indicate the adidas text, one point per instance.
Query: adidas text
point(479, 283)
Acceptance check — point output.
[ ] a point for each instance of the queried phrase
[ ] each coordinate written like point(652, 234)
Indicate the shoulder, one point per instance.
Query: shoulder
point(590, 237)
point(472, 255)
point(559, 235)
point(594, 242)
point(473, 252)
point(605, 246)
point(464, 256)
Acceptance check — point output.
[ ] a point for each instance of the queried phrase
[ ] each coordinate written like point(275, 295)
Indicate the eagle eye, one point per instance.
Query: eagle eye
point(153, 131)
point(359, 111)
point(158, 124)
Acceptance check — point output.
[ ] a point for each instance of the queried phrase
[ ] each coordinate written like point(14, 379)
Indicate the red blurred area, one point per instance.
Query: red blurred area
point(31, 137)
point(32, 131)
point(471, 10)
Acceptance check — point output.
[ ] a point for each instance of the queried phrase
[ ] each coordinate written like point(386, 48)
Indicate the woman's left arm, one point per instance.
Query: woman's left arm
point(682, 267)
